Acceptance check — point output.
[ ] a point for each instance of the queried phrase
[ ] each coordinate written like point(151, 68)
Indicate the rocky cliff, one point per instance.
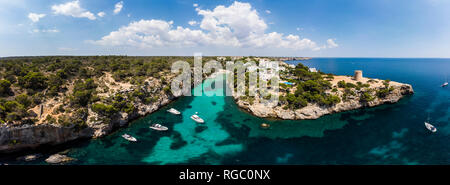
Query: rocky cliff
point(314, 111)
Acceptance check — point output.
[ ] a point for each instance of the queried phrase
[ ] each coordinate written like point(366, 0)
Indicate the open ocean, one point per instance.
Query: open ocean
point(387, 134)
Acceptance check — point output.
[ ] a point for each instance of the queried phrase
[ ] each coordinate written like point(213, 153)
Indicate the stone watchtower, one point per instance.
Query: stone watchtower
point(358, 75)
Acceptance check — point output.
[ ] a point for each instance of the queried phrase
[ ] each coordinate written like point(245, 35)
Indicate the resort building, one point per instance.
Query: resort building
point(314, 70)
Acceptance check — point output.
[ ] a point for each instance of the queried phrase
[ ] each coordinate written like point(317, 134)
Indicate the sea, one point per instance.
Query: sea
point(386, 134)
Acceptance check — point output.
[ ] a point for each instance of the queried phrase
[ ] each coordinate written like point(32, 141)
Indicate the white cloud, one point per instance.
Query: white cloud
point(192, 23)
point(101, 14)
point(299, 29)
point(45, 31)
point(35, 17)
point(268, 12)
point(238, 25)
point(331, 43)
point(118, 7)
point(72, 9)
point(195, 5)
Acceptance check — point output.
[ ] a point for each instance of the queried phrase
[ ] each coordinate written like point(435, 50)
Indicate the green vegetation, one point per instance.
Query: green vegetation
point(26, 82)
point(5, 87)
point(383, 92)
point(310, 88)
point(366, 96)
point(105, 110)
point(83, 93)
point(33, 80)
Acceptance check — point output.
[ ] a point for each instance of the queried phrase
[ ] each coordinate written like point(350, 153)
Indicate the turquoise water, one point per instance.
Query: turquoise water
point(388, 134)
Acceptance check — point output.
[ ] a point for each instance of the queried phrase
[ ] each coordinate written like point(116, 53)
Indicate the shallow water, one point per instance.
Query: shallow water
point(388, 134)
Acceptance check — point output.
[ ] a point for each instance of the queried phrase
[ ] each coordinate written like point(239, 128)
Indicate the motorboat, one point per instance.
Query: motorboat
point(158, 127)
point(445, 84)
point(174, 111)
point(197, 119)
point(129, 138)
point(430, 127)
point(265, 125)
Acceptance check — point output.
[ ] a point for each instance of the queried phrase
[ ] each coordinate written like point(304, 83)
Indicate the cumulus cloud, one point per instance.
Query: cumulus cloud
point(101, 14)
point(268, 12)
point(195, 5)
point(73, 9)
point(238, 25)
point(331, 43)
point(35, 17)
point(118, 7)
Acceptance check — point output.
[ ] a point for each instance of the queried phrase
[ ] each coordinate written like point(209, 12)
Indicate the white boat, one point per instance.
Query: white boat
point(445, 84)
point(197, 119)
point(158, 127)
point(174, 111)
point(129, 138)
point(430, 127)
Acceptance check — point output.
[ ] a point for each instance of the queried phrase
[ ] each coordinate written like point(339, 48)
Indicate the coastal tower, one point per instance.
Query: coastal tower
point(358, 75)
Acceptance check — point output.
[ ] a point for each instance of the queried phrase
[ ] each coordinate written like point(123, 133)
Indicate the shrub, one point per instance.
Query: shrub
point(83, 92)
point(33, 80)
point(24, 100)
point(105, 110)
point(341, 84)
point(5, 87)
point(366, 97)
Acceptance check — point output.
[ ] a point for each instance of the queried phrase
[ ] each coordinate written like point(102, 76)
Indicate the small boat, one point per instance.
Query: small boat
point(265, 125)
point(430, 127)
point(174, 111)
point(158, 127)
point(129, 138)
point(445, 84)
point(197, 119)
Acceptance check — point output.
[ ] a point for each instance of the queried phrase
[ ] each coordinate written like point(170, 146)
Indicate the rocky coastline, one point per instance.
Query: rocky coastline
point(314, 110)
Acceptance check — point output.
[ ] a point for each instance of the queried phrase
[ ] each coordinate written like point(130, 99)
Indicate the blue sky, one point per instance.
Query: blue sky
point(333, 28)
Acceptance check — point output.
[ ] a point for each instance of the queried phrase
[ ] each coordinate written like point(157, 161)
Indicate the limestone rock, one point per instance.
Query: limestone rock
point(314, 111)
point(58, 159)
point(30, 157)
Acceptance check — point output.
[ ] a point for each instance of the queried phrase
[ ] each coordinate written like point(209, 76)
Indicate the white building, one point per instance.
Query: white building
point(314, 70)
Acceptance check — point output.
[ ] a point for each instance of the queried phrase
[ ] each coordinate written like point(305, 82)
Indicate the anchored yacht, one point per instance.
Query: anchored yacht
point(197, 119)
point(174, 111)
point(129, 138)
point(158, 127)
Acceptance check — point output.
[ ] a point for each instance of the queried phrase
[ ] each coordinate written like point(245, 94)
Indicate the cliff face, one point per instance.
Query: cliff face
point(314, 111)
point(31, 136)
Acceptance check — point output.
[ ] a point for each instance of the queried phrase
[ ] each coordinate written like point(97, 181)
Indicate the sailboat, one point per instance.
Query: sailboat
point(429, 126)
point(445, 84)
